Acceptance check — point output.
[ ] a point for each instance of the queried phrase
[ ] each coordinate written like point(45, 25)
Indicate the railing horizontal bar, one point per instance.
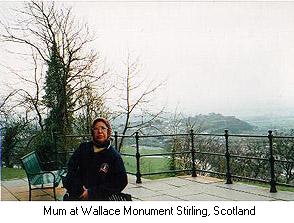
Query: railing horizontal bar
point(156, 154)
point(208, 134)
point(283, 137)
point(195, 134)
point(171, 135)
point(124, 136)
point(249, 157)
point(249, 178)
point(165, 154)
point(284, 161)
point(209, 153)
point(165, 135)
point(283, 184)
point(212, 172)
point(127, 154)
point(154, 136)
point(263, 159)
point(249, 136)
point(162, 172)
point(186, 134)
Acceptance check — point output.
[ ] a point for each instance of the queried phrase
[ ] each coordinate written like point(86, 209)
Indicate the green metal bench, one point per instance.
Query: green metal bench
point(38, 177)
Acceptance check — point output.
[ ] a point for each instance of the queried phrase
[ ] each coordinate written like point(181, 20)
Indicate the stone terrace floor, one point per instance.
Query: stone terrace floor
point(184, 188)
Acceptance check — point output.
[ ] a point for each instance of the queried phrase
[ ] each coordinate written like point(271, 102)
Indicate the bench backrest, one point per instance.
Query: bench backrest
point(31, 163)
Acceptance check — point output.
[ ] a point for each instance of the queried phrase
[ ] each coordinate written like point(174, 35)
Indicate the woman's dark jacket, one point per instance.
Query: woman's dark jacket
point(102, 173)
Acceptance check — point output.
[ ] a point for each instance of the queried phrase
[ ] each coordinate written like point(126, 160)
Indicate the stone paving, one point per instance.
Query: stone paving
point(184, 188)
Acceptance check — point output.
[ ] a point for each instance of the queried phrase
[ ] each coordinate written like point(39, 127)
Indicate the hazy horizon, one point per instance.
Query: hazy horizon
point(233, 58)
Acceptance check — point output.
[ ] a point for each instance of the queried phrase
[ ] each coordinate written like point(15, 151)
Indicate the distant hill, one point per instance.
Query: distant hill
point(211, 123)
point(217, 123)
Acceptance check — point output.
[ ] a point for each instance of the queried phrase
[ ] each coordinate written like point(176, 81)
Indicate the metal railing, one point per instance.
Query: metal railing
point(227, 156)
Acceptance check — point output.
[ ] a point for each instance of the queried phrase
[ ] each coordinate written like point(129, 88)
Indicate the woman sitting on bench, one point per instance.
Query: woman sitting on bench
point(95, 170)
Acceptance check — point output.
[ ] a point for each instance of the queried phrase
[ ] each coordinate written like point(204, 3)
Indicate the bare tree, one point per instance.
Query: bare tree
point(28, 95)
point(95, 107)
point(4, 108)
point(55, 33)
point(136, 98)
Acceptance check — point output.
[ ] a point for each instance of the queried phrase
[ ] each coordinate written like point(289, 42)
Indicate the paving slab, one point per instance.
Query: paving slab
point(3, 189)
point(203, 197)
point(158, 186)
point(175, 181)
point(180, 192)
point(44, 198)
point(141, 193)
point(262, 191)
point(234, 195)
point(24, 196)
point(58, 191)
point(202, 179)
point(200, 188)
point(189, 189)
point(6, 196)
point(164, 197)
point(133, 178)
point(131, 185)
point(282, 195)
point(14, 183)
point(17, 189)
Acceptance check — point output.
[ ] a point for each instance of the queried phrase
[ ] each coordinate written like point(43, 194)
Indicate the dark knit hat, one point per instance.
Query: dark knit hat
point(106, 122)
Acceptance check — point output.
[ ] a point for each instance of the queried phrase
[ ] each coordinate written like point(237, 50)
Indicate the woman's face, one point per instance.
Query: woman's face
point(100, 132)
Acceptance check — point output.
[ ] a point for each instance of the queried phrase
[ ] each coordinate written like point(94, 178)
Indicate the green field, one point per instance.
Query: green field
point(12, 173)
point(147, 164)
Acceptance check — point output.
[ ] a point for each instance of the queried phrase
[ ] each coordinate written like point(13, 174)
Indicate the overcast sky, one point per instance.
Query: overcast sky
point(235, 58)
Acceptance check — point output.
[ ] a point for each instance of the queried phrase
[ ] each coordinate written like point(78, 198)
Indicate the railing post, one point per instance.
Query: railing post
point(193, 154)
point(115, 141)
point(272, 163)
point(138, 174)
point(227, 155)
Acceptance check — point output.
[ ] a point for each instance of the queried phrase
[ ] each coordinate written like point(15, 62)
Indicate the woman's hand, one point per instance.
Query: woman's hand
point(85, 194)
